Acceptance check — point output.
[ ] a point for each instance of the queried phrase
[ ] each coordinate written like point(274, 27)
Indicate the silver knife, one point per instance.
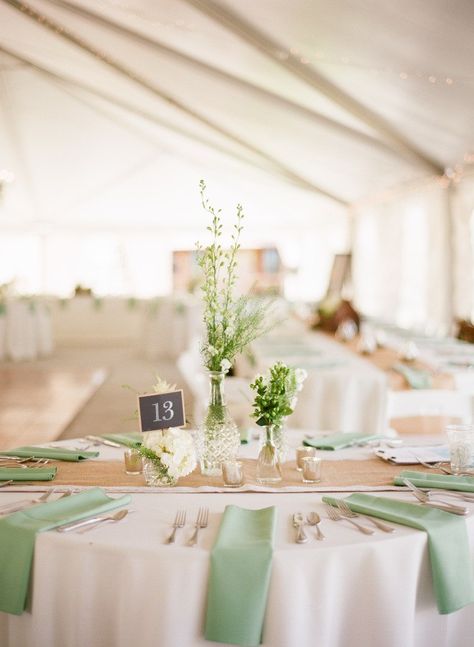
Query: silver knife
point(424, 498)
point(103, 441)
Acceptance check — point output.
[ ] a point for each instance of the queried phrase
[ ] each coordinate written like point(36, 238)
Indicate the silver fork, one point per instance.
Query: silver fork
point(25, 503)
point(202, 520)
point(439, 466)
point(335, 515)
point(347, 512)
point(179, 521)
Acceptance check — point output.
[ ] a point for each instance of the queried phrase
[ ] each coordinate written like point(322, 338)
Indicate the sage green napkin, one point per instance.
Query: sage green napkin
point(241, 562)
point(18, 532)
point(55, 453)
point(416, 377)
point(439, 481)
point(29, 474)
point(131, 439)
point(448, 544)
point(338, 441)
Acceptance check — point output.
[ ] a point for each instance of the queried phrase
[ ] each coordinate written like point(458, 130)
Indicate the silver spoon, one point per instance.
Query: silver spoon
point(314, 519)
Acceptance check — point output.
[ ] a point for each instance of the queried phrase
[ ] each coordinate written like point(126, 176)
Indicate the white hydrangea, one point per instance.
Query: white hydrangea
point(175, 448)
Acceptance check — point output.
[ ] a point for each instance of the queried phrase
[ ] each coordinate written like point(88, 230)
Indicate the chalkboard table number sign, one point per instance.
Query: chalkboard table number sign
point(161, 411)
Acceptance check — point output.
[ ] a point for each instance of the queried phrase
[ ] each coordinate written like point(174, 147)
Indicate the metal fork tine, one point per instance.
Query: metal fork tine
point(346, 511)
point(335, 515)
point(179, 521)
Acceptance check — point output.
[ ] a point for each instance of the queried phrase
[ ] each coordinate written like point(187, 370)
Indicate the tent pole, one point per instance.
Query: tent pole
point(251, 34)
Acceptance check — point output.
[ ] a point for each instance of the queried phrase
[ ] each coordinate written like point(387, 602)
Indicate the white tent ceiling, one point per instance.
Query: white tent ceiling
point(112, 110)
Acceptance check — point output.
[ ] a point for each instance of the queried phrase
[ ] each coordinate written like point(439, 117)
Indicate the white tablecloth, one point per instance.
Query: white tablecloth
point(25, 330)
point(120, 585)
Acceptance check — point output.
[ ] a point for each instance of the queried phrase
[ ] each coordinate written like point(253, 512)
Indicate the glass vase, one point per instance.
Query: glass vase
point(268, 462)
point(154, 477)
point(280, 441)
point(219, 437)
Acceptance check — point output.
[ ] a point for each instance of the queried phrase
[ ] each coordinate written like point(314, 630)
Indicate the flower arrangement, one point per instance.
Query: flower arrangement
point(276, 394)
point(230, 323)
point(171, 452)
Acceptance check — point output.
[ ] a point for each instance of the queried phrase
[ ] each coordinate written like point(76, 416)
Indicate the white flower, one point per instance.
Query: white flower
point(293, 402)
point(225, 365)
point(174, 448)
point(300, 375)
point(211, 350)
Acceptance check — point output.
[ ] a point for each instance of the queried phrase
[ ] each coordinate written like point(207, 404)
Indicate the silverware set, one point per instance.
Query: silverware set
point(84, 525)
point(299, 521)
point(202, 521)
point(23, 462)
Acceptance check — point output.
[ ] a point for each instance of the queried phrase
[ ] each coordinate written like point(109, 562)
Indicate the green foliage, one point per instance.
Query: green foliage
point(275, 397)
point(159, 466)
point(231, 324)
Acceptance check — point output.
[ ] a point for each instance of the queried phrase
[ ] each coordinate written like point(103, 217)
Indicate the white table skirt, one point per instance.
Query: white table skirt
point(120, 585)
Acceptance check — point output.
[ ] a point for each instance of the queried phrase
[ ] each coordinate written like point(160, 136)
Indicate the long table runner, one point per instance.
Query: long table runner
point(353, 475)
point(386, 358)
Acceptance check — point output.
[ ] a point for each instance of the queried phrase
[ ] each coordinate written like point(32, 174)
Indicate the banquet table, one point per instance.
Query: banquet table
point(343, 392)
point(120, 584)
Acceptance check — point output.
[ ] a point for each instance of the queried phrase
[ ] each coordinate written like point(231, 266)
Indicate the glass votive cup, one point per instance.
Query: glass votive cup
point(303, 452)
point(232, 473)
point(133, 461)
point(461, 447)
point(311, 469)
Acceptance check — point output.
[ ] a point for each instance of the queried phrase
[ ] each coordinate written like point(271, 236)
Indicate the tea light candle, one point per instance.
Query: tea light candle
point(303, 452)
point(311, 469)
point(133, 461)
point(232, 473)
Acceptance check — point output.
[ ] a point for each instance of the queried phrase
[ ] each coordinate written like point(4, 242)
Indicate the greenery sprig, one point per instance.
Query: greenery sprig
point(276, 394)
point(159, 466)
point(230, 323)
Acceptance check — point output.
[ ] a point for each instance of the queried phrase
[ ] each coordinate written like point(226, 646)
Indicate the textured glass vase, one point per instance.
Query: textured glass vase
point(219, 437)
point(280, 440)
point(154, 477)
point(268, 462)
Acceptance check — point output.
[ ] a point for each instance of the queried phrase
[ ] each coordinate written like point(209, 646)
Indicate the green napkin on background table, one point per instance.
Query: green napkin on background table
point(417, 378)
point(29, 474)
point(18, 532)
point(239, 579)
point(54, 453)
point(131, 439)
point(448, 544)
point(338, 441)
point(438, 481)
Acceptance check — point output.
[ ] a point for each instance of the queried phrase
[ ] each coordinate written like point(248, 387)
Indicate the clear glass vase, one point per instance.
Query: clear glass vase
point(268, 462)
point(219, 437)
point(154, 477)
point(280, 441)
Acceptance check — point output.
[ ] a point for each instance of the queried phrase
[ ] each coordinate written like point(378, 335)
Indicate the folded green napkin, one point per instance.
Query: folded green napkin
point(30, 474)
point(55, 453)
point(416, 377)
point(339, 440)
point(241, 562)
point(131, 439)
point(440, 481)
point(448, 544)
point(18, 532)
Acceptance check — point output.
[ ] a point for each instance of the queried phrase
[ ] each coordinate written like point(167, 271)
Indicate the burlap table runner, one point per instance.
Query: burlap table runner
point(370, 473)
point(385, 358)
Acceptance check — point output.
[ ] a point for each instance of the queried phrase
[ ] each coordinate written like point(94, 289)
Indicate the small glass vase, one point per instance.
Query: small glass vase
point(154, 477)
point(219, 436)
point(280, 441)
point(268, 462)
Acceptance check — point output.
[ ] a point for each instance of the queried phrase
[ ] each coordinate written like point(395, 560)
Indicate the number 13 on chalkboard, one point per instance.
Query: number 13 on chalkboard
point(161, 410)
